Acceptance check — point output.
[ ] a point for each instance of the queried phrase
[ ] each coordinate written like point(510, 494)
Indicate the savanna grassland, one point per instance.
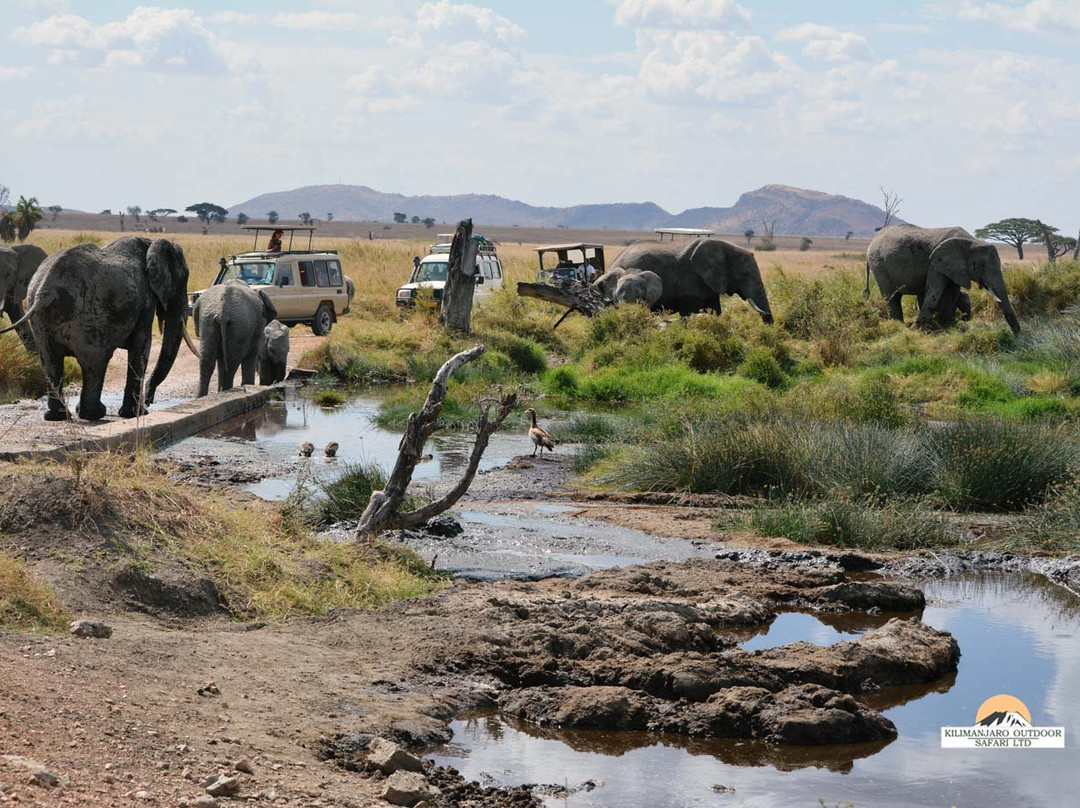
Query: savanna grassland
point(845, 427)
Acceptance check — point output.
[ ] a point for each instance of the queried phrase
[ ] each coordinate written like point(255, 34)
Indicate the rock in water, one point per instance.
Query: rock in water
point(388, 757)
point(408, 788)
point(90, 628)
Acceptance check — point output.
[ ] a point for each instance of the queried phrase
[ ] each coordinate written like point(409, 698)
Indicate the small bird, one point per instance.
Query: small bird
point(306, 448)
point(331, 449)
point(541, 439)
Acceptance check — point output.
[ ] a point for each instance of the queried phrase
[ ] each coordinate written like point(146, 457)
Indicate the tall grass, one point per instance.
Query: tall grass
point(27, 604)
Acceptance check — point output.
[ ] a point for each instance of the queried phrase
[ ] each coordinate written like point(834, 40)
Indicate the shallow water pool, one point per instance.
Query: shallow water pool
point(1018, 634)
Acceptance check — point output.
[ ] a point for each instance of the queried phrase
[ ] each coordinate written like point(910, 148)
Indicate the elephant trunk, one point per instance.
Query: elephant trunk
point(170, 347)
point(757, 298)
point(996, 287)
point(1010, 316)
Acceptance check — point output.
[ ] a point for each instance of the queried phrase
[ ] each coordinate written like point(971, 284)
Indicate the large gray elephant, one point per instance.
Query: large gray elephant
point(695, 274)
point(229, 321)
point(936, 265)
point(86, 301)
point(17, 266)
point(273, 353)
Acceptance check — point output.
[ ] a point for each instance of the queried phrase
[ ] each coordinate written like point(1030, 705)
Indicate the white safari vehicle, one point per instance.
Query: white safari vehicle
point(428, 278)
point(306, 286)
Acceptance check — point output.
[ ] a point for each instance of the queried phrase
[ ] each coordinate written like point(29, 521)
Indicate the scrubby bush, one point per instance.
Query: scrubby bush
point(329, 397)
point(761, 366)
point(1002, 464)
point(347, 496)
point(854, 525)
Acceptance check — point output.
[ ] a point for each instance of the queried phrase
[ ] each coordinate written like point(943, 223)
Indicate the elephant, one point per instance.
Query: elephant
point(623, 286)
point(695, 274)
point(937, 265)
point(17, 266)
point(273, 353)
point(229, 321)
point(86, 301)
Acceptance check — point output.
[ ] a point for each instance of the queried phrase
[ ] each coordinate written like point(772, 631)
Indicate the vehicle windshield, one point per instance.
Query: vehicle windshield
point(430, 271)
point(249, 273)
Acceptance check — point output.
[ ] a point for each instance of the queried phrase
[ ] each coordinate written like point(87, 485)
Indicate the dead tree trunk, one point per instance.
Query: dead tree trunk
point(1048, 241)
point(1076, 249)
point(457, 299)
point(382, 510)
point(585, 298)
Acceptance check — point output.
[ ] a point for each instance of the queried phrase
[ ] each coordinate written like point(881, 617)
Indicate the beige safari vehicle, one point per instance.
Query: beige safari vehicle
point(307, 286)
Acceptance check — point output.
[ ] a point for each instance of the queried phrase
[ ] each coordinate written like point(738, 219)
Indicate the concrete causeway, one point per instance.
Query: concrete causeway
point(159, 428)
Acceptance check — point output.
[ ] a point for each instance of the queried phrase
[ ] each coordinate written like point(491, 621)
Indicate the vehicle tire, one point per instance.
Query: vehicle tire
point(323, 322)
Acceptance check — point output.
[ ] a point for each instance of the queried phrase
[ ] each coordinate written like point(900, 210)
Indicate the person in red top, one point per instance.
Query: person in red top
point(275, 241)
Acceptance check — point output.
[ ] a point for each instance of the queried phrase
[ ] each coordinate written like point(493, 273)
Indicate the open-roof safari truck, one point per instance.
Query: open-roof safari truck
point(307, 286)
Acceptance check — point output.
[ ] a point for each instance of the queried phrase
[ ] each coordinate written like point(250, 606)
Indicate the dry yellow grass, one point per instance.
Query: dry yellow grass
point(27, 604)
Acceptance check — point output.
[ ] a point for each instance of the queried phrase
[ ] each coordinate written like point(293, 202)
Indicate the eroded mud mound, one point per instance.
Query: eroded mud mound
point(653, 648)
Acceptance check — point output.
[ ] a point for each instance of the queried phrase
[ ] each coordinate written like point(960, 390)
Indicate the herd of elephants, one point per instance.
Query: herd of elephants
point(87, 301)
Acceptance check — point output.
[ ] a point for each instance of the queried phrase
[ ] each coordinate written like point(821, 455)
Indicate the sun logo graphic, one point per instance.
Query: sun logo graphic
point(1003, 722)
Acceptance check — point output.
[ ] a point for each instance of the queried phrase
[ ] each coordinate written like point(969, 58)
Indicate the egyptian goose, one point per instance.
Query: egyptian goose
point(540, 438)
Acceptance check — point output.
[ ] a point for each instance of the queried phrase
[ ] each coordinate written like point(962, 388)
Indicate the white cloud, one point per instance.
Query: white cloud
point(690, 14)
point(15, 73)
point(62, 56)
point(300, 20)
point(827, 43)
point(1055, 17)
point(1009, 70)
point(712, 66)
point(154, 39)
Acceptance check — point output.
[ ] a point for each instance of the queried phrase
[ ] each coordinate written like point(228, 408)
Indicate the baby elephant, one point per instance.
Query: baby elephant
point(229, 321)
point(273, 353)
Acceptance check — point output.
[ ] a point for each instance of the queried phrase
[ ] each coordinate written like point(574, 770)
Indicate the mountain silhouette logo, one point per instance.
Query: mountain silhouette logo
point(1003, 722)
point(1003, 711)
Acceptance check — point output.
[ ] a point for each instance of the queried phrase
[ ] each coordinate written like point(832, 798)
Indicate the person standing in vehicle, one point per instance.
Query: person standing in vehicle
point(275, 241)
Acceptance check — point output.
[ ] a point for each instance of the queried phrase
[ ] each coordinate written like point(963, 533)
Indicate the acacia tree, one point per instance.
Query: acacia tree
point(156, 212)
point(135, 211)
point(1055, 244)
point(892, 206)
point(272, 217)
point(305, 217)
point(329, 215)
point(241, 218)
point(748, 234)
point(1016, 232)
point(400, 218)
point(55, 210)
point(429, 222)
point(208, 212)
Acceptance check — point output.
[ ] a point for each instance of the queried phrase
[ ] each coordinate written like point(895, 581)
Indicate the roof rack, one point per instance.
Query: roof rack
point(683, 231)
point(273, 228)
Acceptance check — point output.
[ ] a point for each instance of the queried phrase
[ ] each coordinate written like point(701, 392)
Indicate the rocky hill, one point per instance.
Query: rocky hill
point(796, 211)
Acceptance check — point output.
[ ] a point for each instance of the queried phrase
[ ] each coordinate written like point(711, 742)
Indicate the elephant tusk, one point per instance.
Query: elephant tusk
point(190, 343)
point(755, 306)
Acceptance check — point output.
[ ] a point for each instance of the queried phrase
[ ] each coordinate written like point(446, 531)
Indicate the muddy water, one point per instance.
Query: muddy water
point(1018, 634)
point(276, 431)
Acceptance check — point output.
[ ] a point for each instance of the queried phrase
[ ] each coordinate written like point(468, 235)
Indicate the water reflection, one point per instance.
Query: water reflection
point(1017, 634)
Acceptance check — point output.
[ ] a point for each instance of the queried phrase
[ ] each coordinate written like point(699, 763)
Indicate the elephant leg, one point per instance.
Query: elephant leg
point(226, 373)
point(207, 360)
point(138, 351)
point(895, 302)
point(52, 360)
point(247, 370)
point(93, 372)
point(937, 288)
point(963, 305)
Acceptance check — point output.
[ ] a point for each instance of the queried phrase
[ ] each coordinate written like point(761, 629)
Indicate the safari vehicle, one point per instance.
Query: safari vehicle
point(306, 286)
point(428, 278)
point(572, 262)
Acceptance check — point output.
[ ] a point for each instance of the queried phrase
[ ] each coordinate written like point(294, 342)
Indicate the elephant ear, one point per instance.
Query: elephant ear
point(269, 310)
point(952, 258)
point(167, 276)
point(707, 258)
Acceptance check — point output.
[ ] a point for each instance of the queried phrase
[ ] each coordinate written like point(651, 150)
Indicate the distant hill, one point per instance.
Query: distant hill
point(795, 211)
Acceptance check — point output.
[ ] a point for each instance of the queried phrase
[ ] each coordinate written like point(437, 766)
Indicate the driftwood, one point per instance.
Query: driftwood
point(576, 296)
point(457, 299)
point(382, 511)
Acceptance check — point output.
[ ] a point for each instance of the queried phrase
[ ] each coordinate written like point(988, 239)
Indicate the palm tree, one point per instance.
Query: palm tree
point(27, 214)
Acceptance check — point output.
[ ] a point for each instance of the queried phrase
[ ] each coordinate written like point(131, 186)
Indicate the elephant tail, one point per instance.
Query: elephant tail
point(866, 291)
point(223, 328)
point(22, 319)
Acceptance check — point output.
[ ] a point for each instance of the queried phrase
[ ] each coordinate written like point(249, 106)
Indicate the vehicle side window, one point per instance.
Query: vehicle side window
point(284, 275)
point(321, 274)
point(496, 269)
point(335, 273)
point(307, 273)
point(486, 268)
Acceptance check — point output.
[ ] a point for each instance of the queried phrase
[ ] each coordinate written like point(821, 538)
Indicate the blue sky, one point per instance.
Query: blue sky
point(966, 108)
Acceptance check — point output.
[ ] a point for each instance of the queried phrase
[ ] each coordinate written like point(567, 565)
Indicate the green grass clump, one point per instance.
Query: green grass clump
point(27, 604)
point(591, 428)
point(761, 366)
point(1001, 464)
point(854, 525)
point(329, 397)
